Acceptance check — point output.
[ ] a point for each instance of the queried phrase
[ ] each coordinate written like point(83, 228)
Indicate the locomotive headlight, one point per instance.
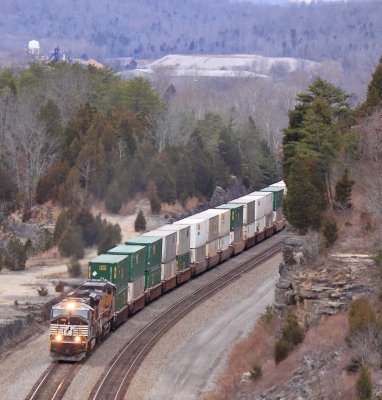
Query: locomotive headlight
point(77, 339)
point(70, 306)
point(58, 338)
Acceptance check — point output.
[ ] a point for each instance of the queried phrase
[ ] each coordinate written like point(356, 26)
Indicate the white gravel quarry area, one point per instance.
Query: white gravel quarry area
point(21, 367)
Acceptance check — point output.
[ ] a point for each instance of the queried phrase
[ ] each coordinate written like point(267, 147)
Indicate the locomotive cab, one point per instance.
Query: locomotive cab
point(70, 330)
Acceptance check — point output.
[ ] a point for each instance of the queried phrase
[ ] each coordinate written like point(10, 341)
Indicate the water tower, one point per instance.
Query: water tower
point(33, 47)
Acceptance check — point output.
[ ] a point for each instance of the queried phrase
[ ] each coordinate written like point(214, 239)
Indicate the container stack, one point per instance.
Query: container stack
point(153, 258)
point(198, 240)
point(223, 231)
point(112, 268)
point(264, 214)
point(135, 269)
point(278, 198)
point(168, 252)
point(183, 257)
point(236, 225)
point(249, 212)
point(212, 245)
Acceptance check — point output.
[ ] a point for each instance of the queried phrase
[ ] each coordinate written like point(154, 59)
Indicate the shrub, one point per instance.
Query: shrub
point(378, 258)
point(72, 243)
point(330, 231)
point(268, 316)
point(291, 331)
point(361, 315)
point(62, 223)
point(363, 384)
point(140, 222)
point(312, 244)
point(110, 236)
point(74, 268)
point(155, 202)
point(16, 254)
point(282, 349)
point(42, 290)
point(288, 256)
point(113, 200)
point(256, 372)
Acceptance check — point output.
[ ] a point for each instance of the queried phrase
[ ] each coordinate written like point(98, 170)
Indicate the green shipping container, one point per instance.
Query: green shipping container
point(121, 298)
point(112, 268)
point(153, 249)
point(278, 196)
point(135, 260)
point(153, 276)
point(236, 220)
point(183, 262)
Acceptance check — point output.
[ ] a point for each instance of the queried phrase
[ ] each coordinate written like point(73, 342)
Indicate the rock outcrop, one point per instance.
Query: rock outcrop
point(319, 291)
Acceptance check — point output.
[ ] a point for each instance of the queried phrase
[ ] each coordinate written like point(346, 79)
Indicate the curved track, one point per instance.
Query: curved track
point(114, 383)
point(53, 383)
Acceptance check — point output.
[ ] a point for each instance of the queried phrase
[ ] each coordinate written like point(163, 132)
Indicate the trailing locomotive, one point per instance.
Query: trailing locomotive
point(133, 274)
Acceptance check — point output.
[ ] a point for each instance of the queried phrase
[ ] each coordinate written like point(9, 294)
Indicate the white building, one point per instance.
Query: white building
point(34, 47)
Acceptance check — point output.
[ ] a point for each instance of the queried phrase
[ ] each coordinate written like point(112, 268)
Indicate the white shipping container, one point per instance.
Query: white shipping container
point(224, 242)
point(198, 231)
point(260, 225)
point(169, 239)
point(212, 224)
point(269, 219)
point(249, 207)
point(198, 254)
point(236, 236)
point(249, 230)
point(223, 220)
point(168, 270)
point(277, 215)
point(212, 248)
point(264, 203)
point(280, 184)
point(135, 289)
point(183, 237)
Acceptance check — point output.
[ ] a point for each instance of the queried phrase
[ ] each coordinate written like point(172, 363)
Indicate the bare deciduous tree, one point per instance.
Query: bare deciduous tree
point(29, 149)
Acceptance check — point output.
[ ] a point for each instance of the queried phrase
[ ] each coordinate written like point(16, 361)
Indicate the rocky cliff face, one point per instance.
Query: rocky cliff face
point(322, 290)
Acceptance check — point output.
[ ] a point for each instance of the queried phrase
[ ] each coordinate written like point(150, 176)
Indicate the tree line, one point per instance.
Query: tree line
point(325, 137)
point(76, 136)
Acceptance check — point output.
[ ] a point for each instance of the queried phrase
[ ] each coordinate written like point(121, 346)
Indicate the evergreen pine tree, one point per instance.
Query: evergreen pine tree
point(343, 191)
point(140, 222)
point(304, 201)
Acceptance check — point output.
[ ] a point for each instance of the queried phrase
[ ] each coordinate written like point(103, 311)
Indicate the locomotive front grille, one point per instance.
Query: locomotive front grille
point(69, 330)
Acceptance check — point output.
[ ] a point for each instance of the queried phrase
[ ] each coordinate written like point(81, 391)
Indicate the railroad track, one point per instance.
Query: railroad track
point(114, 383)
point(55, 380)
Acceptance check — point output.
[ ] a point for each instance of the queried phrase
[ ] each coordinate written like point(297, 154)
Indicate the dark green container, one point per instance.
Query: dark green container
point(111, 267)
point(153, 248)
point(121, 298)
point(278, 196)
point(236, 220)
point(183, 262)
point(153, 276)
point(135, 260)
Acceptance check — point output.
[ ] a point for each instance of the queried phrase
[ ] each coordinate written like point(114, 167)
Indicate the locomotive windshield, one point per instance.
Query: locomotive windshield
point(56, 312)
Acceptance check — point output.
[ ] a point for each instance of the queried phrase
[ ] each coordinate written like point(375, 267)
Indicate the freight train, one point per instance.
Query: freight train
point(129, 276)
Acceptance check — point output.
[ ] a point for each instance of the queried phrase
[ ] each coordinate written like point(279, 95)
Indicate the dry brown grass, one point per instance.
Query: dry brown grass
point(172, 209)
point(320, 342)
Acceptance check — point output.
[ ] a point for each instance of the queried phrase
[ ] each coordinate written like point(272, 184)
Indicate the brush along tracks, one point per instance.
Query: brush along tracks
point(53, 383)
point(115, 381)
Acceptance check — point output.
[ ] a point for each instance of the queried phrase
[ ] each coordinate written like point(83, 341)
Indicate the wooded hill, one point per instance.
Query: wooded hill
point(76, 136)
